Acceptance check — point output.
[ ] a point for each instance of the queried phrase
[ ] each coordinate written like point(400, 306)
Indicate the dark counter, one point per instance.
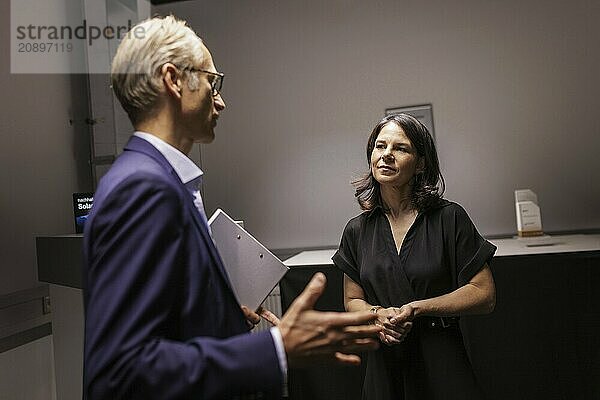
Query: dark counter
point(541, 342)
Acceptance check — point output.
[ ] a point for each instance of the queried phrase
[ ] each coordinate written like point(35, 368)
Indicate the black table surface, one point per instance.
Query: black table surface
point(541, 342)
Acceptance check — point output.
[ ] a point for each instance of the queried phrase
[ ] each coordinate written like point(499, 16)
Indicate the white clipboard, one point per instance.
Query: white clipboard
point(253, 270)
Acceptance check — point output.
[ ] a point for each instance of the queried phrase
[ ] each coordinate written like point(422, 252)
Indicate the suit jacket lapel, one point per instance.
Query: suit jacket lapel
point(208, 239)
point(140, 145)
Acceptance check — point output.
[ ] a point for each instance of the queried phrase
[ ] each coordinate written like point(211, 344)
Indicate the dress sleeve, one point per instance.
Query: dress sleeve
point(472, 251)
point(345, 258)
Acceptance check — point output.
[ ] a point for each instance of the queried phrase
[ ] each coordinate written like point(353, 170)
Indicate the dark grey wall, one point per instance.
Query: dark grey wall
point(514, 87)
point(44, 160)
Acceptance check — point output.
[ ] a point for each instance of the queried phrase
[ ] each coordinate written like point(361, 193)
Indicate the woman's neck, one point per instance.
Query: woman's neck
point(396, 201)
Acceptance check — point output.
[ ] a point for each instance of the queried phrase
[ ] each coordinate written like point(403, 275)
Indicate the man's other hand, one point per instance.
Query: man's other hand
point(252, 318)
point(333, 337)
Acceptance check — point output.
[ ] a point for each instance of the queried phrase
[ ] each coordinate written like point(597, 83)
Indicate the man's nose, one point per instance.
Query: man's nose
point(219, 102)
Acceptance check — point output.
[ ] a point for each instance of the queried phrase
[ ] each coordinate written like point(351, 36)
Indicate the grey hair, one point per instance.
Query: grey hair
point(136, 67)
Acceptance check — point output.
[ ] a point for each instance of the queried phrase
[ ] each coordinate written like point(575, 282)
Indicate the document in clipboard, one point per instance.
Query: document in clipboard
point(253, 270)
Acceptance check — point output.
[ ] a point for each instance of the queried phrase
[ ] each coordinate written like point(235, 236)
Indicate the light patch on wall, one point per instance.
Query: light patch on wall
point(424, 113)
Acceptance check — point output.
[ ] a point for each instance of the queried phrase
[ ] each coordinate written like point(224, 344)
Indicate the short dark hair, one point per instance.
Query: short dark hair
point(427, 185)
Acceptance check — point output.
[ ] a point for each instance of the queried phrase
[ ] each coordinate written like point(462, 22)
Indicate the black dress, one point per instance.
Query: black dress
point(441, 251)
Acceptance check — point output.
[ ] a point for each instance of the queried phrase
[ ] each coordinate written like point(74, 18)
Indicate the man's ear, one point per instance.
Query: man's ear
point(171, 78)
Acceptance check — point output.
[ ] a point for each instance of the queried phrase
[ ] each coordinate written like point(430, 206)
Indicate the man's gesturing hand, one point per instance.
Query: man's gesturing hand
point(335, 337)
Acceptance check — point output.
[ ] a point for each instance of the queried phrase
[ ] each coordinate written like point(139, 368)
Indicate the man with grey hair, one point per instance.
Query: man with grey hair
point(161, 319)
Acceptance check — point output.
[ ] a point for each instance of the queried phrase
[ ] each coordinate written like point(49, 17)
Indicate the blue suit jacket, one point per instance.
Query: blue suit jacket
point(161, 319)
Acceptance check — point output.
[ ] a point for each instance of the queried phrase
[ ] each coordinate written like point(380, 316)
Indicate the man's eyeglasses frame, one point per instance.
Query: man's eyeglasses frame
point(216, 84)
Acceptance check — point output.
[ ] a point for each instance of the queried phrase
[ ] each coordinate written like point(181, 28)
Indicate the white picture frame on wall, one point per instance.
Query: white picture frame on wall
point(422, 112)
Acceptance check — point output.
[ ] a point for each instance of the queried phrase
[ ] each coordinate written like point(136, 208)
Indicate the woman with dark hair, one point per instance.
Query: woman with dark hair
point(417, 261)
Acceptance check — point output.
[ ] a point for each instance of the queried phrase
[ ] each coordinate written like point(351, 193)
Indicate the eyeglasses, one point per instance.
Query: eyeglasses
point(216, 81)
